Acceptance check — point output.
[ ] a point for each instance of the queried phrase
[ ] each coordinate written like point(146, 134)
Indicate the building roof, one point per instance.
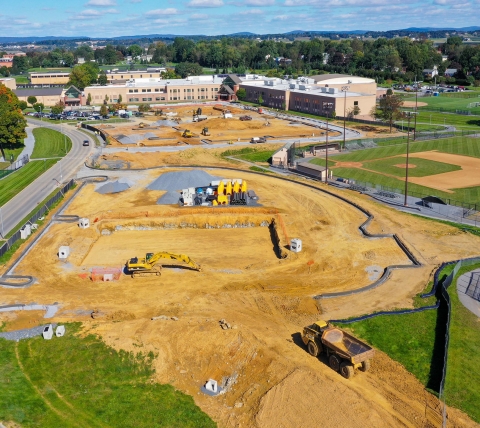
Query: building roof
point(340, 79)
point(38, 92)
point(235, 79)
point(148, 70)
point(312, 166)
point(37, 73)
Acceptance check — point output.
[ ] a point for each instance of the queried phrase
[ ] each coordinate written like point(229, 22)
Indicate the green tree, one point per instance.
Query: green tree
point(31, 100)
point(84, 75)
point(89, 99)
point(12, 121)
point(23, 105)
point(185, 69)
point(39, 107)
point(104, 110)
point(389, 108)
point(120, 99)
point(58, 108)
point(102, 79)
point(135, 51)
point(143, 108)
point(241, 94)
point(260, 100)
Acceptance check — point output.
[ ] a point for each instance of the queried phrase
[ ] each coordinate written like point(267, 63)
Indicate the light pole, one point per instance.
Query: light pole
point(326, 154)
point(409, 115)
point(344, 90)
point(1, 220)
point(430, 119)
point(416, 109)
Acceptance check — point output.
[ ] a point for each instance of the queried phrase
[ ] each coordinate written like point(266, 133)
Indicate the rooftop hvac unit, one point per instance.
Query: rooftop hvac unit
point(292, 85)
point(331, 90)
point(323, 89)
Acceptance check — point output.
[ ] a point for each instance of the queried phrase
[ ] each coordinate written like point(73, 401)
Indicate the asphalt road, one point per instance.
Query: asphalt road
point(23, 203)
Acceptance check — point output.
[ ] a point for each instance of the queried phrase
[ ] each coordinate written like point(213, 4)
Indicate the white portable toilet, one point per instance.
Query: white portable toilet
point(108, 276)
point(296, 245)
point(212, 386)
point(25, 231)
point(48, 332)
point(60, 331)
point(84, 223)
point(63, 252)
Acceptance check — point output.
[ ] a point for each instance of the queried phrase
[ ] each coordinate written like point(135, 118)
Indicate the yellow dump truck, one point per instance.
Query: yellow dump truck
point(345, 353)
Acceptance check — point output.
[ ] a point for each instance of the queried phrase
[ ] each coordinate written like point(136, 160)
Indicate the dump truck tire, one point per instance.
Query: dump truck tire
point(334, 362)
point(313, 349)
point(346, 370)
point(365, 366)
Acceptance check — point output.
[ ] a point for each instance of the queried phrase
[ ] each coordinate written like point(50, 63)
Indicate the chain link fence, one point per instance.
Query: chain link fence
point(42, 211)
point(14, 166)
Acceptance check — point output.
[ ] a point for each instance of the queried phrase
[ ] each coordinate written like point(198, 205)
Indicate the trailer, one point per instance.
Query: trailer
point(345, 352)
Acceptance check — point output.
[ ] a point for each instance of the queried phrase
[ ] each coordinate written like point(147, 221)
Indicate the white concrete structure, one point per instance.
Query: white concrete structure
point(63, 252)
point(25, 231)
point(212, 386)
point(108, 276)
point(48, 332)
point(60, 331)
point(84, 223)
point(296, 245)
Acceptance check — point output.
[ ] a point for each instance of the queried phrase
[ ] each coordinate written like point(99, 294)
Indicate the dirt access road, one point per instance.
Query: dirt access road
point(265, 299)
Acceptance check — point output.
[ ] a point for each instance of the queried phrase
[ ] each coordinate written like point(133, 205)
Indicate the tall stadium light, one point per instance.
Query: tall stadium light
point(326, 154)
point(344, 90)
point(409, 115)
point(416, 110)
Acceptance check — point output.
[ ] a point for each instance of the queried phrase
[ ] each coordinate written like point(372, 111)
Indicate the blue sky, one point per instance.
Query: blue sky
point(108, 18)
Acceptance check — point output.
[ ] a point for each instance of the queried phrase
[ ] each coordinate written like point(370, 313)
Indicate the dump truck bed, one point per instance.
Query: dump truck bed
point(347, 346)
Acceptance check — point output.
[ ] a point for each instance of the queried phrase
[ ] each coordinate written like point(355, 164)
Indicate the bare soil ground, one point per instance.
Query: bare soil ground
point(412, 104)
point(221, 130)
point(468, 176)
point(276, 383)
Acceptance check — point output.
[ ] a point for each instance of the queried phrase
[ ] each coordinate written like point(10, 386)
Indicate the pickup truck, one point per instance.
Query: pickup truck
point(256, 140)
point(345, 353)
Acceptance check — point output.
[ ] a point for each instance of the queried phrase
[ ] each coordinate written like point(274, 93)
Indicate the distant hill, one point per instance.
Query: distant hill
point(429, 29)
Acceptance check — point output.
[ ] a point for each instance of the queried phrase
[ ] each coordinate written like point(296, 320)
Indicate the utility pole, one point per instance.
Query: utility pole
point(1, 220)
point(416, 110)
point(326, 155)
point(344, 90)
point(409, 116)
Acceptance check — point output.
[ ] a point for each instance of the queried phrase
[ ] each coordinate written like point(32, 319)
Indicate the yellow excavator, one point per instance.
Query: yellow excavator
point(151, 263)
point(187, 134)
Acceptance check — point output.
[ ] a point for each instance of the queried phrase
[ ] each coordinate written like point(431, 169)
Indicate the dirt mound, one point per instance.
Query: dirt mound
point(404, 165)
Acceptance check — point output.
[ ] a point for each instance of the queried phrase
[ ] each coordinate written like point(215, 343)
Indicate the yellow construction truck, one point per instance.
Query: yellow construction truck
point(151, 264)
point(345, 353)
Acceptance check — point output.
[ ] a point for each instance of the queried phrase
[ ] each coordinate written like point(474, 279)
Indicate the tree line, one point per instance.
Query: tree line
point(400, 59)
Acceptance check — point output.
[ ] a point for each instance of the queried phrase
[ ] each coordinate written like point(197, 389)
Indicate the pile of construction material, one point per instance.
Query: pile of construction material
point(114, 187)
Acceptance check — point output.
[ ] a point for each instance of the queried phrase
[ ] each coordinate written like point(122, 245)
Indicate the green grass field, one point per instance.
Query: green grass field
point(79, 381)
point(17, 181)
point(50, 144)
point(414, 346)
point(423, 167)
point(446, 102)
point(458, 146)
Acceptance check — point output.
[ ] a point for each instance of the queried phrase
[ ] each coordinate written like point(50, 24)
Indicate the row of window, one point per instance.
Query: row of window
point(112, 77)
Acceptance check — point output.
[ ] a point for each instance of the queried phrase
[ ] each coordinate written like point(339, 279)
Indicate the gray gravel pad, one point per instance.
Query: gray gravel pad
point(24, 334)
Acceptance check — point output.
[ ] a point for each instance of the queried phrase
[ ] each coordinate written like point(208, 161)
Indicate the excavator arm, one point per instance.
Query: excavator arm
point(170, 256)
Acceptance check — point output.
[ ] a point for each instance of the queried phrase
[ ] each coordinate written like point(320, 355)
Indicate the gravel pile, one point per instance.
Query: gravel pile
point(167, 122)
point(174, 181)
point(24, 334)
point(130, 139)
point(114, 187)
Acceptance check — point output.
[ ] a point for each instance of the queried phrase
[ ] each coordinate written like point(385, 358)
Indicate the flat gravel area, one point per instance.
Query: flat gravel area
point(25, 334)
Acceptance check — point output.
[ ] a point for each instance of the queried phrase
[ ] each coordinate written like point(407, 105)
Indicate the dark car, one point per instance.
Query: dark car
point(86, 142)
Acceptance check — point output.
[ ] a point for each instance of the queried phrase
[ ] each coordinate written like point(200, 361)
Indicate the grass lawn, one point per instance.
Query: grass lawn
point(321, 162)
point(463, 378)
point(17, 181)
point(446, 102)
point(423, 167)
point(458, 145)
point(21, 79)
point(257, 156)
point(413, 346)
point(12, 149)
point(50, 144)
point(89, 385)
point(469, 195)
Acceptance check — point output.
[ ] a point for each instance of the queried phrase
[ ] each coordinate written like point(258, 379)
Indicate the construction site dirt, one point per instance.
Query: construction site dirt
point(167, 129)
point(273, 381)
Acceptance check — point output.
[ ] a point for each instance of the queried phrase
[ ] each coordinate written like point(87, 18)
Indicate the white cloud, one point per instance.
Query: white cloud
point(205, 3)
point(280, 18)
point(101, 3)
point(161, 12)
point(93, 13)
point(21, 22)
point(251, 12)
point(199, 16)
point(135, 1)
point(259, 3)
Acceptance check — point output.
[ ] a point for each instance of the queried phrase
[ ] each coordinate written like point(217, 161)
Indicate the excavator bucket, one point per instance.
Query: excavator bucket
point(229, 188)
point(221, 188)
